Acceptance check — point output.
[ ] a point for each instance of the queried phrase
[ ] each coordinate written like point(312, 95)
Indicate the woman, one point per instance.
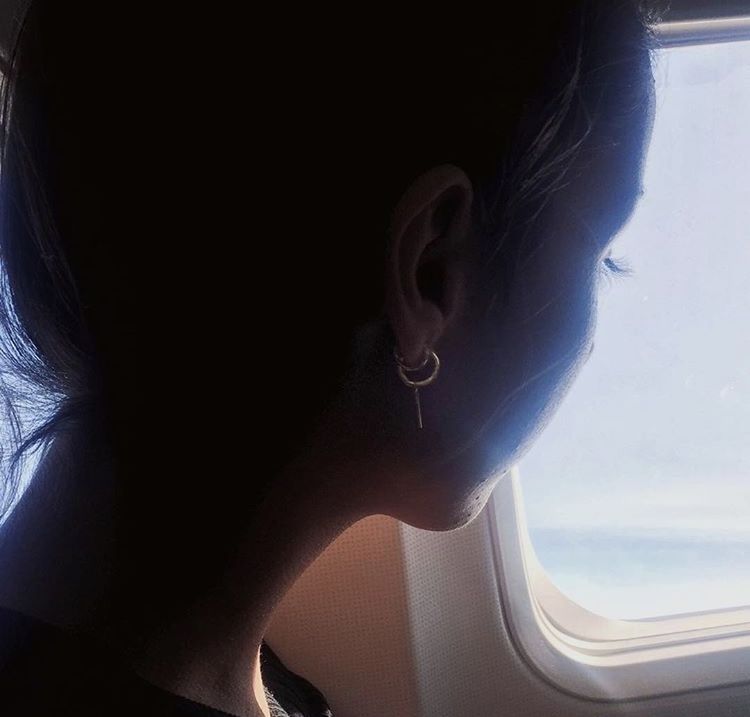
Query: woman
point(266, 278)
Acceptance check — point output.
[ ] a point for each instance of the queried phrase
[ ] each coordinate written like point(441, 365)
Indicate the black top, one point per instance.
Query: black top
point(47, 671)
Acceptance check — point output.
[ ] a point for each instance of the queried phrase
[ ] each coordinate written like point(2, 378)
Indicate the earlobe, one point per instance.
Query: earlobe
point(428, 253)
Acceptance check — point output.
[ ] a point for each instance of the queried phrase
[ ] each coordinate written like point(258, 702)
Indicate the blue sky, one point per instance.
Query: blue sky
point(644, 474)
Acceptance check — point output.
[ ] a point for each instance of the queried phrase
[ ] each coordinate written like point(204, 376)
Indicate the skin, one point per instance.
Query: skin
point(211, 652)
point(502, 376)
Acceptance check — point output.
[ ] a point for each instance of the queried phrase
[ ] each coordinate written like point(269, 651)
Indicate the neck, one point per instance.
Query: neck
point(209, 651)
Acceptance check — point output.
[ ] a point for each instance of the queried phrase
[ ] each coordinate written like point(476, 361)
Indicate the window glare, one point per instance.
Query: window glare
point(638, 494)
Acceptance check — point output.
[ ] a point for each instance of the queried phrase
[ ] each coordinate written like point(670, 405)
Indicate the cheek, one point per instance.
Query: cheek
point(554, 309)
point(544, 343)
point(516, 367)
point(559, 325)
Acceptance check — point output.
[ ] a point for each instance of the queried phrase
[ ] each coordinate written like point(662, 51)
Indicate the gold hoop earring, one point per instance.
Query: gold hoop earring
point(416, 384)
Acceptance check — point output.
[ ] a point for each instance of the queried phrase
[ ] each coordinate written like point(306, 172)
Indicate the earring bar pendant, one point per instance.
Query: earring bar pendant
point(414, 383)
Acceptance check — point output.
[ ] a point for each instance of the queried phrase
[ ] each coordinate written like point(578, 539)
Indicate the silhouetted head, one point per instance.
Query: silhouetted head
point(217, 232)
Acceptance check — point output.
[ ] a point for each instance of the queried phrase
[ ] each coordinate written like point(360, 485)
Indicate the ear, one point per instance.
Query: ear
point(426, 268)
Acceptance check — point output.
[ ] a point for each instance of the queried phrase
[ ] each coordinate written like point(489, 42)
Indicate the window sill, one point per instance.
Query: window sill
point(595, 657)
point(702, 31)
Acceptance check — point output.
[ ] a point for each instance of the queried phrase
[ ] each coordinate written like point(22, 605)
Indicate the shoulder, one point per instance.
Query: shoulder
point(45, 670)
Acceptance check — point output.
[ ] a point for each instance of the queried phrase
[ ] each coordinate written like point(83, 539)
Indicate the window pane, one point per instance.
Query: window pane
point(638, 494)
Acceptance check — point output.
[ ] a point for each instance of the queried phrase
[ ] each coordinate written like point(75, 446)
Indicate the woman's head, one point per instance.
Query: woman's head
point(216, 234)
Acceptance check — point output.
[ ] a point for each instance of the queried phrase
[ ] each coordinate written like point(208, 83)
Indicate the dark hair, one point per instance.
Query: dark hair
point(344, 121)
point(42, 344)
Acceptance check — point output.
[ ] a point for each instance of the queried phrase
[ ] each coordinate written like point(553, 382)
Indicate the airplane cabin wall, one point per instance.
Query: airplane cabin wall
point(396, 621)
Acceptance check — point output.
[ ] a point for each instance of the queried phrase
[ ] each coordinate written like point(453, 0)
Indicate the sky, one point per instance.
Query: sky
point(638, 494)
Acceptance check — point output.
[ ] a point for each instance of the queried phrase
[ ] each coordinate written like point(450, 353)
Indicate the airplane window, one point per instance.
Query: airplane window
point(638, 494)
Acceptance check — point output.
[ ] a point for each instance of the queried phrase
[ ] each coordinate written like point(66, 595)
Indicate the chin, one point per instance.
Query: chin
point(445, 521)
point(450, 506)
